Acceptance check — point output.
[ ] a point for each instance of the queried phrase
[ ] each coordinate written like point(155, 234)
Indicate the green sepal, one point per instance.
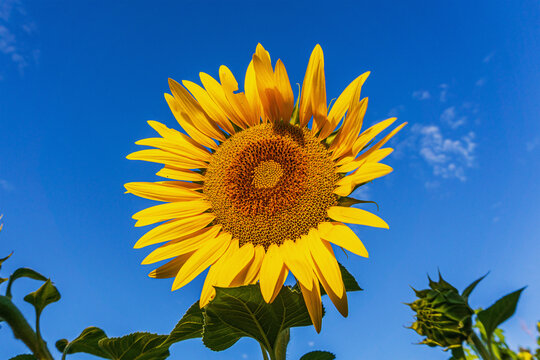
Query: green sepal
point(469, 289)
point(349, 201)
point(318, 355)
point(45, 295)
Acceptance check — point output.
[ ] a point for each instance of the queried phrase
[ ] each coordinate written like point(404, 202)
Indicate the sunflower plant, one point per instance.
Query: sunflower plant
point(258, 188)
point(445, 319)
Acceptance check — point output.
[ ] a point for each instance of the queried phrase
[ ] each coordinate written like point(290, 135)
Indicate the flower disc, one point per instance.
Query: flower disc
point(270, 183)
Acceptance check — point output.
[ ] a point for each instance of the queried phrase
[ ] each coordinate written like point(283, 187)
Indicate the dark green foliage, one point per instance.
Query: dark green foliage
point(443, 316)
point(242, 311)
point(23, 273)
point(24, 357)
point(43, 296)
point(499, 312)
point(86, 342)
point(189, 327)
point(318, 355)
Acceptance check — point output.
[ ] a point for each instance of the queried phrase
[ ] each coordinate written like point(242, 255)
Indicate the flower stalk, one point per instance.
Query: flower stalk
point(22, 330)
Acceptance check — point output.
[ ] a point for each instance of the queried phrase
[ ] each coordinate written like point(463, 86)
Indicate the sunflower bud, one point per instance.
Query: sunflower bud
point(443, 316)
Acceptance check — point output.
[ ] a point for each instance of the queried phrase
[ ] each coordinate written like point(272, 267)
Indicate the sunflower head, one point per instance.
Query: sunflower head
point(254, 185)
point(443, 316)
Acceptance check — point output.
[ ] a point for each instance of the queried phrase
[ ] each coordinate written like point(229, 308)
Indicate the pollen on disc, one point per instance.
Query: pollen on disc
point(270, 183)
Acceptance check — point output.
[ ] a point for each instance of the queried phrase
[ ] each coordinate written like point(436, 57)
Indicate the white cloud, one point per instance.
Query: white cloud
point(444, 92)
point(244, 356)
point(448, 158)
point(14, 25)
point(362, 193)
point(449, 116)
point(311, 343)
point(396, 110)
point(480, 82)
point(488, 57)
point(6, 185)
point(533, 144)
point(421, 94)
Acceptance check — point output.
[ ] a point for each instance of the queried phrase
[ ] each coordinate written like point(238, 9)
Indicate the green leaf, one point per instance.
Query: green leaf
point(469, 289)
point(318, 355)
point(242, 311)
point(24, 357)
point(348, 281)
point(86, 342)
point(20, 273)
point(136, 346)
point(499, 312)
point(189, 327)
point(43, 296)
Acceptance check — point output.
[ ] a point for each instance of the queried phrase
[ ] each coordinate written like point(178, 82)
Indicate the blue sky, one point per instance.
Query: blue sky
point(78, 80)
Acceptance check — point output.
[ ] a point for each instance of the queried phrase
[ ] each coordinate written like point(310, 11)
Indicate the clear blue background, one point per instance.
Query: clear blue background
point(79, 79)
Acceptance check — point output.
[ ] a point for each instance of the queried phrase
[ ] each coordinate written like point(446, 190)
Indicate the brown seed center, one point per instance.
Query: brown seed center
point(267, 174)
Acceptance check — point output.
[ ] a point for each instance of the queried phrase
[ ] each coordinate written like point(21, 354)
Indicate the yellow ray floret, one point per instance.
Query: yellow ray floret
point(255, 187)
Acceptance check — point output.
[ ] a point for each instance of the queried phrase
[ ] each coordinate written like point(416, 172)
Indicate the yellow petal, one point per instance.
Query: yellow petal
point(162, 192)
point(342, 235)
point(284, 88)
point(342, 103)
point(238, 101)
point(217, 94)
point(165, 157)
point(325, 259)
point(199, 118)
point(182, 117)
point(356, 216)
point(339, 299)
point(279, 284)
point(250, 274)
point(173, 136)
point(182, 245)
point(176, 148)
point(205, 256)
point(208, 291)
point(239, 258)
point(312, 298)
point(294, 256)
point(306, 98)
point(252, 95)
point(180, 174)
point(173, 210)
point(174, 229)
point(366, 172)
point(209, 106)
point(318, 97)
point(171, 268)
point(349, 130)
point(270, 272)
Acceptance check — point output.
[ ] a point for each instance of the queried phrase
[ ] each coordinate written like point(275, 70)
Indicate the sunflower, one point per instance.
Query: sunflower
point(258, 186)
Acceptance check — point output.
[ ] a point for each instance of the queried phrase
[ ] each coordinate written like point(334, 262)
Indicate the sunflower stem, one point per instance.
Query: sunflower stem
point(22, 330)
point(280, 348)
point(477, 344)
point(264, 353)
